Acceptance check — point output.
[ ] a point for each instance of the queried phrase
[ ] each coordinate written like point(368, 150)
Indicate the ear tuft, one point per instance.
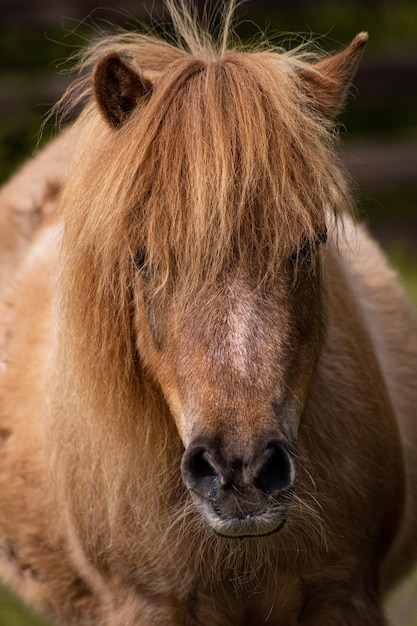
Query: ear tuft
point(118, 88)
point(328, 80)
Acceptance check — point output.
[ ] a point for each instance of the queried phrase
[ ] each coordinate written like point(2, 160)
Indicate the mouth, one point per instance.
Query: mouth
point(250, 525)
point(238, 529)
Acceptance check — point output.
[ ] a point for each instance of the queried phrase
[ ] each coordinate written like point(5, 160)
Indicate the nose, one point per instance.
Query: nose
point(208, 470)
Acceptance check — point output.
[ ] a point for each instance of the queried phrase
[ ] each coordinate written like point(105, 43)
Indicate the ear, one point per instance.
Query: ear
point(118, 88)
point(328, 80)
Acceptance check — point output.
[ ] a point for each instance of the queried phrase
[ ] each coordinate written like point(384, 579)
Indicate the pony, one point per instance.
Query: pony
point(207, 368)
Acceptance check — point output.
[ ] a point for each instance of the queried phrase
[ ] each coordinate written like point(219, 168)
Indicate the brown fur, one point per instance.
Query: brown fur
point(178, 293)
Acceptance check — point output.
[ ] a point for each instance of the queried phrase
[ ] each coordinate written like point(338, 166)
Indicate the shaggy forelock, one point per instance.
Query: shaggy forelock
point(227, 162)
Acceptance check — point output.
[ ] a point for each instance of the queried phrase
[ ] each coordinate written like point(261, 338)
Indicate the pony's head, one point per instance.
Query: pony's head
point(208, 190)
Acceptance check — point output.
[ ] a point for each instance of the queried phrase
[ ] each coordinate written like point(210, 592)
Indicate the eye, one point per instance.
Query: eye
point(321, 237)
point(140, 259)
point(304, 254)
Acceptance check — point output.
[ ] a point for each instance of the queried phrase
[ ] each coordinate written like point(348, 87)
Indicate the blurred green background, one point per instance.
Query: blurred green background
point(379, 127)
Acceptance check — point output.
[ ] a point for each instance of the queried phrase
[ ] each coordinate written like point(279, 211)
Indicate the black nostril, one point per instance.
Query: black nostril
point(199, 464)
point(276, 472)
point(199, 473)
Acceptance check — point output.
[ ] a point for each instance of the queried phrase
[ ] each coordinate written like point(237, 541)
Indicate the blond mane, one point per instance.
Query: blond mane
point(226, 163)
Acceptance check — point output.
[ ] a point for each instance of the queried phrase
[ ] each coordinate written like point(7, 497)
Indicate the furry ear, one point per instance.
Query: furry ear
point(328, 80)
point(118, 88)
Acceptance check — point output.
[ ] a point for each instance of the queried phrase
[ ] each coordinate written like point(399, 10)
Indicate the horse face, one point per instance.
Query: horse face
point(233, 362)
point(234, 366)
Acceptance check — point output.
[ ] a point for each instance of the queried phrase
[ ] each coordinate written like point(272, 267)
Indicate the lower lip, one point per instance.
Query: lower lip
point(254, 535)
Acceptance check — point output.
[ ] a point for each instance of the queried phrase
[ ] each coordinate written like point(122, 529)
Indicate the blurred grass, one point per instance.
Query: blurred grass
point(404, 258)
point(14, 613)
point(402, 607)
